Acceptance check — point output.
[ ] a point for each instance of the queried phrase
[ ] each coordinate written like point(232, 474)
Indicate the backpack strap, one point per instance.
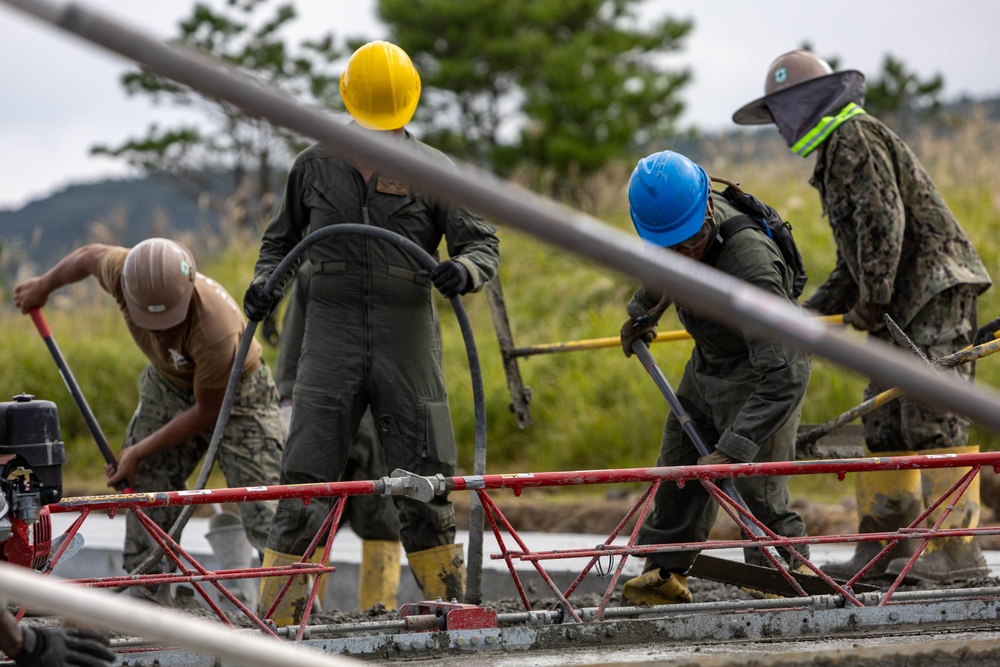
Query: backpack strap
point(726, 231)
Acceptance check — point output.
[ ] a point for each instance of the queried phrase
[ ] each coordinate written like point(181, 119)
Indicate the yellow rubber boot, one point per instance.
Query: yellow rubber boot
point(289, 612)
point(440, 572)
point(951, 558)
point(379, 580)
point(317, 558)
point(652, 588)
point(887, 501)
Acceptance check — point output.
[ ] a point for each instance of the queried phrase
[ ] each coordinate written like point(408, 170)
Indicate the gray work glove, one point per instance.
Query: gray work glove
point(451, 278)
point(637, 328)
point(866, 316)
point(985, 333)
point(56, 647)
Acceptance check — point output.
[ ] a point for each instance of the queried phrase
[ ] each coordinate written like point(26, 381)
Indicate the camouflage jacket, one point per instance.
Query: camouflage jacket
point(898, 243)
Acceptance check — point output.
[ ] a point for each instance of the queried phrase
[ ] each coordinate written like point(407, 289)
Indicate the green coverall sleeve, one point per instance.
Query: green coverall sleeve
point(784, 377)
point(863, 195)
point(473, 242)
point(286, 229)
point(644, 300)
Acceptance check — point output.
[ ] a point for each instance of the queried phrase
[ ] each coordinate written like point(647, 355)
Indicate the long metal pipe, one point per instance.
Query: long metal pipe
point(698, 286)
point(122, 615)
point(520, 481)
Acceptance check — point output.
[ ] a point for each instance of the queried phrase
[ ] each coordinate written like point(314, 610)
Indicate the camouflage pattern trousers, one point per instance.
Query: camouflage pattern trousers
point(942, 327)
point(249, 453)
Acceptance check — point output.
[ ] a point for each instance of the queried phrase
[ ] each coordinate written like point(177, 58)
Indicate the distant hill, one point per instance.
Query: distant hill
point(128, 209)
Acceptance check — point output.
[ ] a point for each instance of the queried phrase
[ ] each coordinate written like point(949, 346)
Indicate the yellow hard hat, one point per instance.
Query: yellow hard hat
point(380, 86)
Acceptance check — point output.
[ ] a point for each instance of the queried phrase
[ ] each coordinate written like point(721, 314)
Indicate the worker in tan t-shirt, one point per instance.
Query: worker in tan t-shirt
point(189, 328)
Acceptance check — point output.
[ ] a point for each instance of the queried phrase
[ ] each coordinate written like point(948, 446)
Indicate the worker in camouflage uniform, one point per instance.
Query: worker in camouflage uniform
point(743, 392)
point(372, 337)
point(373, 518)
point(901, 253)
point(189, 328)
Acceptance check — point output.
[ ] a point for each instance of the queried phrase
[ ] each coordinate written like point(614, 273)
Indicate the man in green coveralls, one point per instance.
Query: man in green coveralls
point(743, 392)
point(372, 337)
point(373, 518)
point(900, 252)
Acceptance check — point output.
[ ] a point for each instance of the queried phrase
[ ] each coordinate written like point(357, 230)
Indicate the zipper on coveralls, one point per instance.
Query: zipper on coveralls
point(366, 279)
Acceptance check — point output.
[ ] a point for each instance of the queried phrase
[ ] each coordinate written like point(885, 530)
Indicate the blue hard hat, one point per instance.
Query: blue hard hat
point(667, 197)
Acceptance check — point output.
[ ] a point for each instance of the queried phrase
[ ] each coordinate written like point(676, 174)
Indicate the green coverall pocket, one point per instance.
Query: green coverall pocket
point(419, 277)
point(440, 454)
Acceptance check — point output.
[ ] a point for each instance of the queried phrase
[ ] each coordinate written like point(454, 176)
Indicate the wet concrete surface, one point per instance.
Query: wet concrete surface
point(104, 536)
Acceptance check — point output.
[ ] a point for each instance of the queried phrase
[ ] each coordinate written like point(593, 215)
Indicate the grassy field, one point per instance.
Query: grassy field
point(592, 409)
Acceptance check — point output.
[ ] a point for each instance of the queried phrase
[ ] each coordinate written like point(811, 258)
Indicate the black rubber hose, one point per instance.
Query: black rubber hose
point(474, 565)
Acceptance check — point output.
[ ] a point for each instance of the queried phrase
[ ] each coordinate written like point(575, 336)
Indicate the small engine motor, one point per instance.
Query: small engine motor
point(32, 455)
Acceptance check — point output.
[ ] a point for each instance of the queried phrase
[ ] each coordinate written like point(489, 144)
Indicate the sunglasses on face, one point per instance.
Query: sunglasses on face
point(698, 238)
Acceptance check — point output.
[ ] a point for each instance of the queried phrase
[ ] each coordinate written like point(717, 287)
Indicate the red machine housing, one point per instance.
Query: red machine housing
point(29, 545)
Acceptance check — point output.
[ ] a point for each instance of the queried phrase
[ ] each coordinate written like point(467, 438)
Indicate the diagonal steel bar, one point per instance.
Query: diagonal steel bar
point(647, 504)
point(176, 553)
point(753, 527)
point(495, 513)
point(700, 287)
point(958, 489)
point(303, 565)
point(492, 511)
point(331, 524)
point(642, 506)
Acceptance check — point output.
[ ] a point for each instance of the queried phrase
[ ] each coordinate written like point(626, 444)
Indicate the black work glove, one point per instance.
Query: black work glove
point(55, 647)
point(269, 330)
point(866, 316)
point(257, 303)
point(451, 278)
point(636, 327)
point(985, 333)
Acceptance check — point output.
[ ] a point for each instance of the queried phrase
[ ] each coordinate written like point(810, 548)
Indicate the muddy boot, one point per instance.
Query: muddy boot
point(379, 580)
point(887, 501)
point(440, 572)
point(293, 604)
point(951, 558)
point(655, 587)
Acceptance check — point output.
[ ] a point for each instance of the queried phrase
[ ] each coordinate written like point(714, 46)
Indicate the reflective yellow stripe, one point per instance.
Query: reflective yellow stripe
point(824, 127)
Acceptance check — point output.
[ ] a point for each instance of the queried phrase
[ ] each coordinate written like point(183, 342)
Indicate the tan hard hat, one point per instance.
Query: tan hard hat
point(158, 280)
point(786, 71)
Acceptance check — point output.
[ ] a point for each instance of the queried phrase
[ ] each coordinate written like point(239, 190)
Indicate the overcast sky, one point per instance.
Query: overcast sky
point(62, 95)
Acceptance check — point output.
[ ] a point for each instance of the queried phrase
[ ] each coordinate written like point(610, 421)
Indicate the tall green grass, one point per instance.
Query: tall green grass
point(591, 409)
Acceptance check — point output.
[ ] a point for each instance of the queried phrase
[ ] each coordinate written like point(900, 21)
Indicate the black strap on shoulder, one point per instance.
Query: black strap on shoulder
point(727, 230)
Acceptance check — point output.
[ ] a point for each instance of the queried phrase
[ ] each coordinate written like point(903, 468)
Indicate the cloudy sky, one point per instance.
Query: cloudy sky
point(62, 95)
